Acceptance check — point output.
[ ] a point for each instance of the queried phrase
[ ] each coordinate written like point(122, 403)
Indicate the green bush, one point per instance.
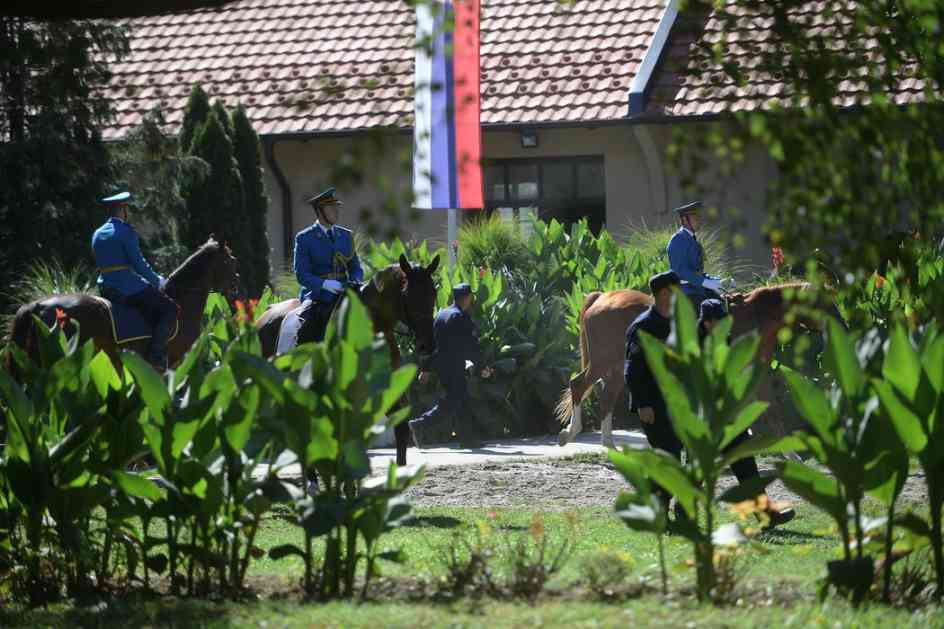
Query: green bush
point(494, 244)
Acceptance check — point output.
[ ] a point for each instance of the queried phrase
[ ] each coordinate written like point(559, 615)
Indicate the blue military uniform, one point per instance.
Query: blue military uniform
point(324, 256)
point(126, 277)
point(457, 341)
point(687, 260)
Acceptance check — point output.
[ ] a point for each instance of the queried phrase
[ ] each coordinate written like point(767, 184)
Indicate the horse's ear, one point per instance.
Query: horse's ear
point(405, 264)
point(433, 265)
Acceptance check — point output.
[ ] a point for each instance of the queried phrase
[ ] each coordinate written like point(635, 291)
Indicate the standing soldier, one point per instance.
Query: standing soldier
point(325, 264)
point(687, 258)
point(125, 277)
point(647, 399)
point(456, 343)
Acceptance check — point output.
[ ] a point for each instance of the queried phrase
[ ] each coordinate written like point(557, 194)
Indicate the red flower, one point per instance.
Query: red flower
point(240, 311)
point(482, 271)
point(61, 317)
point(455, 245)
point(776, 257)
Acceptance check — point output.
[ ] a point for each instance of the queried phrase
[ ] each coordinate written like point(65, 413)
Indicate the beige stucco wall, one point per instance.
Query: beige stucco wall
point(641, 185)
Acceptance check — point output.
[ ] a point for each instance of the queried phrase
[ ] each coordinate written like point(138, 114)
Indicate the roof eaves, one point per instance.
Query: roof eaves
point(640, 82)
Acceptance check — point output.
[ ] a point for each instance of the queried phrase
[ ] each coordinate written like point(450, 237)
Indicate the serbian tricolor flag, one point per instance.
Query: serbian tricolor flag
point(447, 149)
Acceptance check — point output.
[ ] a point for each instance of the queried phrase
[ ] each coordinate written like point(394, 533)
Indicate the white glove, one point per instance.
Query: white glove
point(712, 284)
point(332, 286)
point(728, 284)
point(161, 282)
point(468, 364)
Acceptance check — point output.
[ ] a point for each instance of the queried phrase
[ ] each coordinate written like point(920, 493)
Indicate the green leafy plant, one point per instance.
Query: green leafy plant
point(912, 394)
point(606, 570)
point(708, 392)
point(641, 510)
point(854, 441)
point(533, 559)
point(467, 561)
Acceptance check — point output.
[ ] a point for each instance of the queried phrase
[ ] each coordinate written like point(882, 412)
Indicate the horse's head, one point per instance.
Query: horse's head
point(224, 277)
point(419, 302)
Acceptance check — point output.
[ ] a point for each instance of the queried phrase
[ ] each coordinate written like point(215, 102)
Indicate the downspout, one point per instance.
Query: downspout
point(269, 144)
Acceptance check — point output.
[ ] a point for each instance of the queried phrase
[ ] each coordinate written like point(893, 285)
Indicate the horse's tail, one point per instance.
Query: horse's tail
point(21, 334)
point(565, 405)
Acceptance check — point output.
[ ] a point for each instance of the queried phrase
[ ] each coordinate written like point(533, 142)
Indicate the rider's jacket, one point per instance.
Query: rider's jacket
point(325, 254)
point(639, 378)
point(121, 266)
point(456, 342)
point(687, 260)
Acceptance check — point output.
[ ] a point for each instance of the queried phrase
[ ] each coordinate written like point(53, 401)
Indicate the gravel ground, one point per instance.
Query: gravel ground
point(562, 484)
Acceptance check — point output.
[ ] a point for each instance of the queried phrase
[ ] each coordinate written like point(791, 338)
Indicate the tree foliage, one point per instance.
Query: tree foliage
point(52, 158)
point(854, 126)
point(246, 146)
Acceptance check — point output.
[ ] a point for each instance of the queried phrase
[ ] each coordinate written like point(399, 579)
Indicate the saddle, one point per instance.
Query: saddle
point(128, 324)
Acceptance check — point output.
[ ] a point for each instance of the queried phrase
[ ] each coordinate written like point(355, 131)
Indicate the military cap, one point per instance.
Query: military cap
point(325, 198)
point(688, 208)
point(662, 280)
point(117, 199)
point(461, 290)
point(711, 310)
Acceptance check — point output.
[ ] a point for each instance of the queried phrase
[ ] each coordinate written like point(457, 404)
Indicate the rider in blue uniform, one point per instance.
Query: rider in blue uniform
point(456, 343)
point(126, 277)
point(687, 258)
point(325, 265)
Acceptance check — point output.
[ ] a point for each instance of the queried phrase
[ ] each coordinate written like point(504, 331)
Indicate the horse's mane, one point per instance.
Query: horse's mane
point(389, 273)
point(188, 272)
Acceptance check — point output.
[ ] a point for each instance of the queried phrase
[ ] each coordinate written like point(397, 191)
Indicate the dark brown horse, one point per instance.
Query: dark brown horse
point(399, 293)
point(211, 268)
point(605, 317)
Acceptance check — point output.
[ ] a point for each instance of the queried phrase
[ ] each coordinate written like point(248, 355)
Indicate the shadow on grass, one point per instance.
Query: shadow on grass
point(432, 521)
point(131, 612)
point(786, 537)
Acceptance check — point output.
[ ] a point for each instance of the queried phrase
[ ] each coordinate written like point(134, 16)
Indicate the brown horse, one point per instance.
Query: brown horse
point(605, 317)
point(211, 268)
point(399, 293)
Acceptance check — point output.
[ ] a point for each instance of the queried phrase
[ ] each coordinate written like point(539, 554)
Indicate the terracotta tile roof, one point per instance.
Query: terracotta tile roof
point(688, 82)
point(304, 66)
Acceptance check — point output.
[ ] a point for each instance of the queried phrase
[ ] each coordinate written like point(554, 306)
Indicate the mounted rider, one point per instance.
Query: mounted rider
point(325, 265)
point(125, 277)
point(687, 258)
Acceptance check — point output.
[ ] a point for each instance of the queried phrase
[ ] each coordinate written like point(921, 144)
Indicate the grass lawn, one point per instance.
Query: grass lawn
point(778, 588)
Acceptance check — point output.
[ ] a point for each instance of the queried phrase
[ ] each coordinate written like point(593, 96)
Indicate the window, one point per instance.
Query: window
point(565, 189)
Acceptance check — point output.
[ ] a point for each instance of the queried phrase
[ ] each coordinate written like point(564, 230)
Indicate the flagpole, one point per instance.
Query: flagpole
point(451, 235)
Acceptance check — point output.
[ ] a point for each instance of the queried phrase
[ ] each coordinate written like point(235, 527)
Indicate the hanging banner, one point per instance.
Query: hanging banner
point(447, 137)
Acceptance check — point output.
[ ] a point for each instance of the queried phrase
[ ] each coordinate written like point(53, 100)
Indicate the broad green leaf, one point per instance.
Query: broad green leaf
point(841, 358)
point(909, 426)
point(626, 464)
point(285, 550)
point(741, 356)
point(812, 403)
point(400, 381)
point(354, 325)
point(685, 325)
point(642, 517)
point(688, 425)
point(901, 368)
point(932, 360)
point(347, 365)
point(103, 374)
point(763, 444)
point(237, 433)
point(729, 534)
point(149, 383)
point(814, 486)
point(14, 397)
point(322, 444)
point(743, 421)
point(668, 472)
point(136, 485)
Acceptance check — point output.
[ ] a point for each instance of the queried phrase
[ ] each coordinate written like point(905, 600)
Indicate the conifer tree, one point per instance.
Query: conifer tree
point(195, 114)
point(256, 269)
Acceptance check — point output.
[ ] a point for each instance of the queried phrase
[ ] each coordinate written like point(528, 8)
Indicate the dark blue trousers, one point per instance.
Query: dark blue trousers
point(159, 310)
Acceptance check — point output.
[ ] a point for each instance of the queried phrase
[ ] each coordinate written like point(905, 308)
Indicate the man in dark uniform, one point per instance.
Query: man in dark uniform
point(325, 263)
point(124, 276)
point(456, 344)
point(647, 399)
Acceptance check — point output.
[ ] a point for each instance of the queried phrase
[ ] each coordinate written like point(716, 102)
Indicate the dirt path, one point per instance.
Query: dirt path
point(584, 481)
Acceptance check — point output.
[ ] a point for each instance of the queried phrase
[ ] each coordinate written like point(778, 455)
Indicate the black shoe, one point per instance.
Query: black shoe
point(779, 516)
point(471, 444)
point(417, 432)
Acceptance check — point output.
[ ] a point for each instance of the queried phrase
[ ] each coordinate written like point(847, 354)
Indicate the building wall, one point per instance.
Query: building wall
point(641, 185)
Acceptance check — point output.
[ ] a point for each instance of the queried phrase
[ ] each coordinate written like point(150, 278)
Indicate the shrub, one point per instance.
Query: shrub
point(606, 570)
point(494, 244)
point(533, 559)
point(467, 561)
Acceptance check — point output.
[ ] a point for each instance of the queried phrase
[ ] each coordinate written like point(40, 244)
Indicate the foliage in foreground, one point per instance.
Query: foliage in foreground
point(74, 519)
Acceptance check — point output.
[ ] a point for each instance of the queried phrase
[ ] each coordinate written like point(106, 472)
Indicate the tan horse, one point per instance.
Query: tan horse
point(603, 322)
